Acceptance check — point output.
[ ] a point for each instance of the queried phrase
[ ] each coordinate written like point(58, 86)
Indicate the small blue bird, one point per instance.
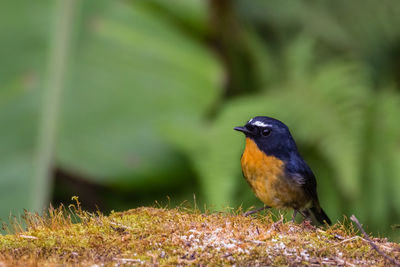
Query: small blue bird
point(276, 172)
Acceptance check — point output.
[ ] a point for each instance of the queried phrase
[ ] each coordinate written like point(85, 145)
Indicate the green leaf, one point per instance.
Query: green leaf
point(19, 120)
point(22, 50)
point(135, 74)
point(191, 14)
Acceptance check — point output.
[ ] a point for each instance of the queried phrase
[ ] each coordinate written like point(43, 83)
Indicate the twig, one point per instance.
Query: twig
point(341, 242)
point(351, 239)
point(373, 245)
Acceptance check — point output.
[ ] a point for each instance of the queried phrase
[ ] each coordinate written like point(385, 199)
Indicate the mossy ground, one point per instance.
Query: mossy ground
point(161, 236)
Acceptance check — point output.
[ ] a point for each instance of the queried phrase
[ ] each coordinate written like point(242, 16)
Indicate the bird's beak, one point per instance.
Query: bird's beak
point(242, 129)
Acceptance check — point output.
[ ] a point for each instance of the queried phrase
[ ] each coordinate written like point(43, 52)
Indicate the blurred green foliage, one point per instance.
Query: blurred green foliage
point(153, 89)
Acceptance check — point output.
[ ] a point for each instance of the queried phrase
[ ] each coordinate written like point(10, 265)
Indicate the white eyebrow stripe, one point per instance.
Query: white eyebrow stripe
point(250, 120)
point(261, 124)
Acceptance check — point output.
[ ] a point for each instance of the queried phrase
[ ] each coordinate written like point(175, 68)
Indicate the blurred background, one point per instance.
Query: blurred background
point(124, 103)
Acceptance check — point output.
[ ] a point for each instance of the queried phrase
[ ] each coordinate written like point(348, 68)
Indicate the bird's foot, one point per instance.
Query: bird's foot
point(255, 211)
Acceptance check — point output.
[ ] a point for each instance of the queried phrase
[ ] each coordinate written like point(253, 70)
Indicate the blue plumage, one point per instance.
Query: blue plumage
point(274, 139)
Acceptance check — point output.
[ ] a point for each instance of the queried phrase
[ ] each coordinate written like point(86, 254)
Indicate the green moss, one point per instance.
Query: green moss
point(182, 237)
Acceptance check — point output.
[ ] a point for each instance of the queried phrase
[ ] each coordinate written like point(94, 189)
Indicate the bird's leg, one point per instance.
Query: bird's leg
point(306, 214)
point(256, 210)
point(294, 214)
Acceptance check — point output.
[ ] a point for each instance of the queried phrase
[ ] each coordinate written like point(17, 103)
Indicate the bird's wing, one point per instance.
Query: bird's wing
point(300, 172)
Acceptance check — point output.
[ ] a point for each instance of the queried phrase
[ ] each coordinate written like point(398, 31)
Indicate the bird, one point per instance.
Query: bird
point(276, 172)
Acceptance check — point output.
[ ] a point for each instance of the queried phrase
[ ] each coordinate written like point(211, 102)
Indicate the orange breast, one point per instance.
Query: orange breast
point(265, 174)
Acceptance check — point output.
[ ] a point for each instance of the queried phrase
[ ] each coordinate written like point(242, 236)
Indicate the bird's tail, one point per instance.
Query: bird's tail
point(320, 215)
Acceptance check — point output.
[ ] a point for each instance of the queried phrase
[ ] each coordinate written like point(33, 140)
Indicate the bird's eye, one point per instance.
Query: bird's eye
point(266, 132)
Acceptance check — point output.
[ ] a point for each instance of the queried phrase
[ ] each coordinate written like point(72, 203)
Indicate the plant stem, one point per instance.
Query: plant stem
point(50, 105)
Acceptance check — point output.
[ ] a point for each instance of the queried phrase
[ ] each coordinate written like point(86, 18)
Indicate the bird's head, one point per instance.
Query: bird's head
point(271, 135)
